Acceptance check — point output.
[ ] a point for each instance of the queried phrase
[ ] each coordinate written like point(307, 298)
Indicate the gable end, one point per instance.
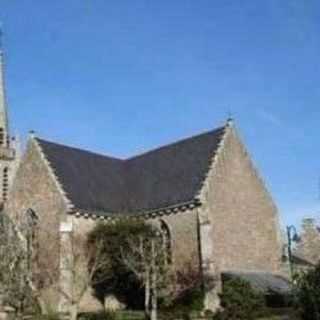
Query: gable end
point(53, 176)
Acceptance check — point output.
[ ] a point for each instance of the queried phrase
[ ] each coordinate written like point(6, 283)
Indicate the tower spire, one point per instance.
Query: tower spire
point(9, 158)
point(4, 130)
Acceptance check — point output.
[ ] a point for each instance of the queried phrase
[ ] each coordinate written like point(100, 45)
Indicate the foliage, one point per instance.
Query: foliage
point(191, 301)
point(189, 293)
point(240, 301)
point(105, 315)
point(308, 294)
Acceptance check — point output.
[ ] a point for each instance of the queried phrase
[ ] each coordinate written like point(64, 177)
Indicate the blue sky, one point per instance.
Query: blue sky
point(121, 77)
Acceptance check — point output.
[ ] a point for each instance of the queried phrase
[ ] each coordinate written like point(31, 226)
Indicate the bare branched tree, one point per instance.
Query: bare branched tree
point(14, 272)
point(145, 256)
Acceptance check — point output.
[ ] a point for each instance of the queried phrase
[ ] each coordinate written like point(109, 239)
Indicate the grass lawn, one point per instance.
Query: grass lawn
point(281, 314)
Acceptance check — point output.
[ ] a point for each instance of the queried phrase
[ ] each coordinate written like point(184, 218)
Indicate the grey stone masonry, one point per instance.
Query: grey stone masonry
point(9, 148)
point(239, 223)
point(309, 245)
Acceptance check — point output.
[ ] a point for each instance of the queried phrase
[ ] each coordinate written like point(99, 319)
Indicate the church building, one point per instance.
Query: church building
point(203, 190)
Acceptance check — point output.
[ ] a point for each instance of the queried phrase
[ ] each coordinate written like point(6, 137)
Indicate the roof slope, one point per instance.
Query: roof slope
point(264, 282)
point(167, 176)
point(171, 174)
point(91, 181)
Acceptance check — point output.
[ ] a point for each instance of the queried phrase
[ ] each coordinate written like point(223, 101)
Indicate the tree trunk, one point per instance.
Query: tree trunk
point(19, 315)
point(37, 294)
point(154, 303)
point(20, 310)
point(74, 312)
point(154, 296)
point(147, 295)
point(42, 304)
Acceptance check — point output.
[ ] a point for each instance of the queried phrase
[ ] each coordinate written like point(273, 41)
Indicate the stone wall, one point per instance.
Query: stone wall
point(309, 245)
point(184, 238)
point(34, 188)
point(243, 231)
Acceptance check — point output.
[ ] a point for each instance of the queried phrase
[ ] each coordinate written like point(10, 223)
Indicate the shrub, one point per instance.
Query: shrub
point(191, 300)
point(187, 304)
point(308, 294)
point(187, 294)
point(240, 301)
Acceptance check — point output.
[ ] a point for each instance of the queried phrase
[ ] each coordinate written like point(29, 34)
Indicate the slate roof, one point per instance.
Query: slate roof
point(263, 282)
point(167, 176)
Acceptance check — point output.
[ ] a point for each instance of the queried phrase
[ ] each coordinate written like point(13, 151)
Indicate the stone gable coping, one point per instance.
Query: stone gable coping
point(213, 163)
point(52, 174)
point(256, 172)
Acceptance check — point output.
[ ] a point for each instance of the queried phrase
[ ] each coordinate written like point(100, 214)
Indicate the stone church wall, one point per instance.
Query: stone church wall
point(35, 189)
point(184, 235)
point(245, 232)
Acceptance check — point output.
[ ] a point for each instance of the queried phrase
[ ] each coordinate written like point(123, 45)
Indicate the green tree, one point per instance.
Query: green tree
point(308, 294)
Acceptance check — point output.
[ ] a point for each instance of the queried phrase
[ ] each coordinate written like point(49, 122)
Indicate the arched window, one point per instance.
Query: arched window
point(166, 237)
point(5, 183)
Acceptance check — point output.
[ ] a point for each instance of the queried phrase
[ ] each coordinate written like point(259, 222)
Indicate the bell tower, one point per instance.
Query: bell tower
point(8, 154)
